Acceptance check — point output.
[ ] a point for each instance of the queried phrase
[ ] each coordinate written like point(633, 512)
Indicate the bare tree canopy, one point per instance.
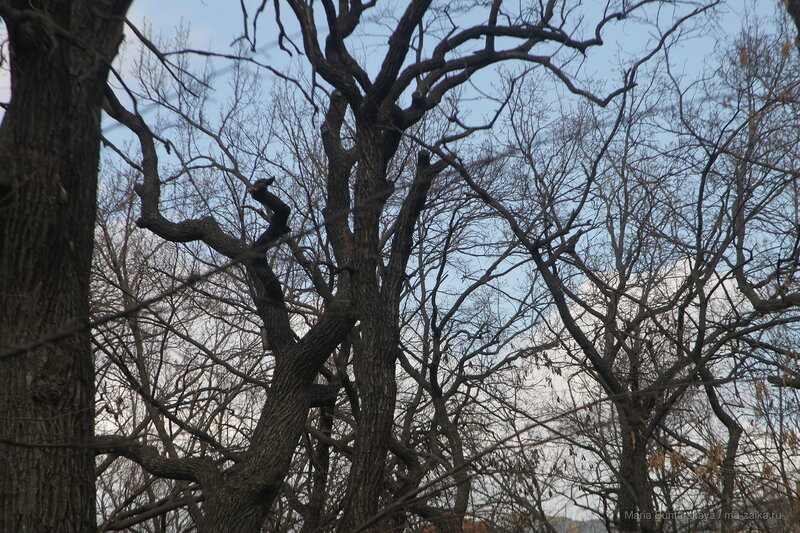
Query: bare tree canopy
point(422, 267)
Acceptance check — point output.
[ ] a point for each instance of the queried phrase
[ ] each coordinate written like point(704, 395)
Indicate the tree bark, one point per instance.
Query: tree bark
point(375, 374)
point(728, 467)
point(378, 300)
point(635, 501)
point(49, 153)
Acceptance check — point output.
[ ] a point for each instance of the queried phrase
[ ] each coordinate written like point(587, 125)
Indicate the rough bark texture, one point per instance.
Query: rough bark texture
point(635, 502)
point(375, 374)
point(240, 500)
point(49, 149)
point(378, 300)
point(374, 364)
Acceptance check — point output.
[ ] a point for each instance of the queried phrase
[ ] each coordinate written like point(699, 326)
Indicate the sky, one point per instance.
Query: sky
point(215, 24)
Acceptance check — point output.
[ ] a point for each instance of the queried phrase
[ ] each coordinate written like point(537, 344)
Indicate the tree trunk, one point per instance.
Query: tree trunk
point(728, 466)
point(635, 502)
point(312, 521)
point(49, 152)
point(240, 500)
point(374, 371)
point(374, 362)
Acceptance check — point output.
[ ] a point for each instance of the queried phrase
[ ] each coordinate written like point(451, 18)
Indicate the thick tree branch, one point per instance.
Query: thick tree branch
point(332, 72)
point(268, 294)
point(793, 382)
point(410, 211)
point(195, 469)
point(340, 165)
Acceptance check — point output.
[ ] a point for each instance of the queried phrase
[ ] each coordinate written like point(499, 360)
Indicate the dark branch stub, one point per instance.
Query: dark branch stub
point(280, 211)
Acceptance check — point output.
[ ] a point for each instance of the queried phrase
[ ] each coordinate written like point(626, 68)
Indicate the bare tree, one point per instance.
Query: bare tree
point(259, 423)
point(669, 259)
point(370, 224)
